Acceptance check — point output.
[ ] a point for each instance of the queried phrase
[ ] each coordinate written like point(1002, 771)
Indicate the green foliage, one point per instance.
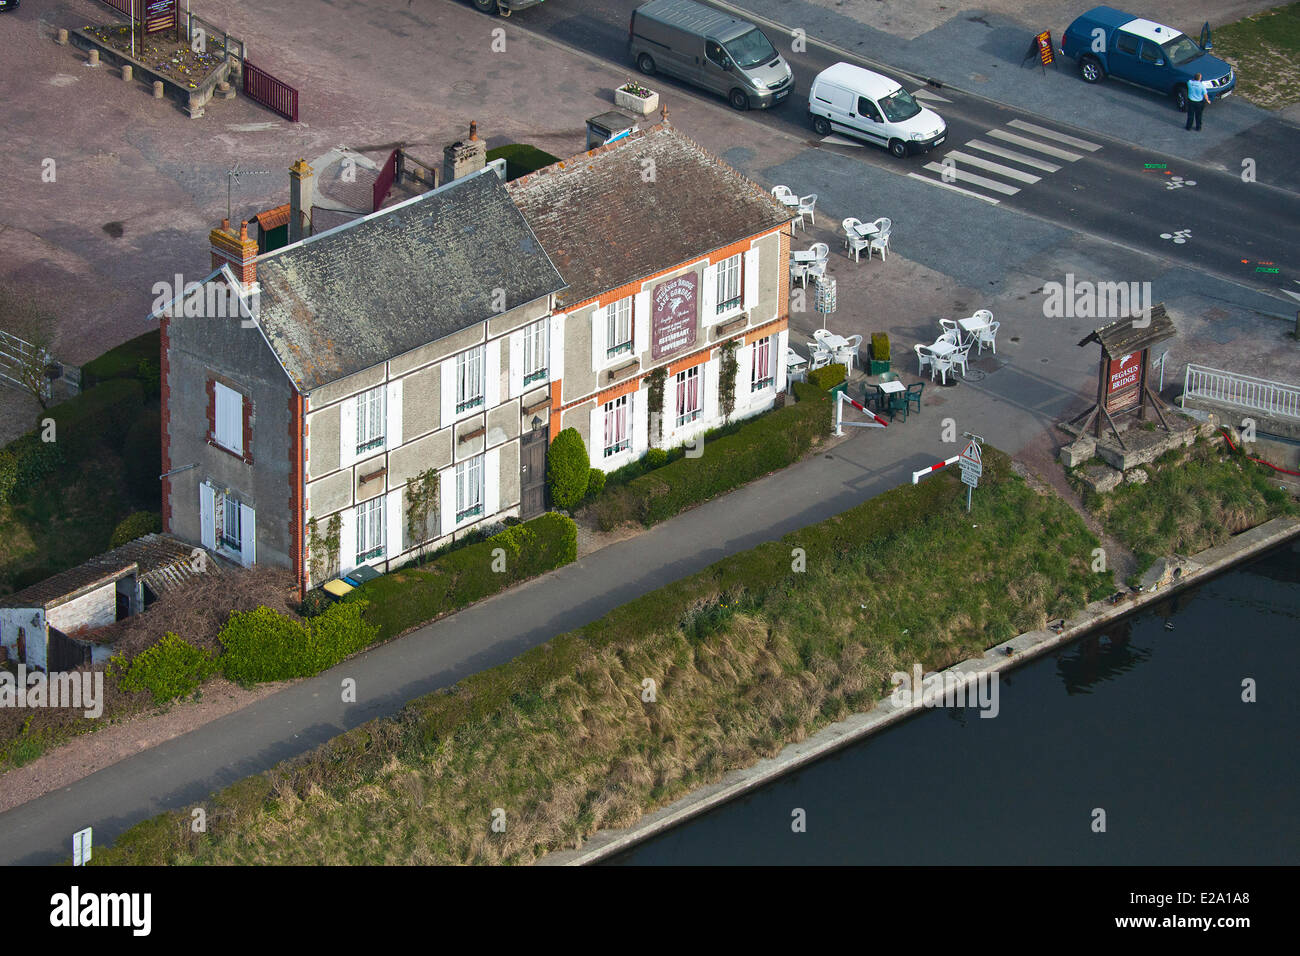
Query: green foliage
point(134, 526)
point(315, 603)
point(34, 460)
point(521, 159)
point(880, 346)
point(727, 370)
point(171, 668)
point(261, 645)
point(421, 501)
point(656, 458)
point(124, 361)
point(827, 377)
point(149, 373)
point(96, 418)
point(655, 397)
point(8, 473)
point(595, 483)
point(142, 458)
point(413, 595)
point(567, 465)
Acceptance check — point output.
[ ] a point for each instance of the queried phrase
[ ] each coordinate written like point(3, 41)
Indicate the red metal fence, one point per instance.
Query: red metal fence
point(121, 6)
point(274, 94)
point(384, 184)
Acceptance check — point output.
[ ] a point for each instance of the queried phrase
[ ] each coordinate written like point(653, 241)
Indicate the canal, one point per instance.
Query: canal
point(1144, 720)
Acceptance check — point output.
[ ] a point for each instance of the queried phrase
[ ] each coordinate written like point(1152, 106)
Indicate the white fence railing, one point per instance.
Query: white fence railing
point(16, 354)
point(1243, 391)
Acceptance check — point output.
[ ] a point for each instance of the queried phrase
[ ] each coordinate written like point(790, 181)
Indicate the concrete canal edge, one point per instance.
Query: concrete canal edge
point(1012, 653)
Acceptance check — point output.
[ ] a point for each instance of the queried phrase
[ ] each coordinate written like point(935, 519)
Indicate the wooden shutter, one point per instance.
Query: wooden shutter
point(778, 358)
point(599, 333)
point(208, 516)
point(709, 295)
point(347, 432)
point(246, 428)
point(348, 541)
point(639, 423)
point(492, 482)
point(516, 364)
point(448, 380)
point(492, 374)
point(750, 279)
point(710, 407)
point(248, 536)
point(640, 323)
point(395, 519)
point(393, 427)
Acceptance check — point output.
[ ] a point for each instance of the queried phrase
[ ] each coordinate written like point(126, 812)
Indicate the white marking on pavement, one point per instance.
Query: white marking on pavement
point(966, 177)
point(63, 79)
point(1046, 133)
point(998, 168)
point(1021, 158)
point(252, 127)
point(1030, 144)
point(925, 94)
point(835, 139)
point(957, 189)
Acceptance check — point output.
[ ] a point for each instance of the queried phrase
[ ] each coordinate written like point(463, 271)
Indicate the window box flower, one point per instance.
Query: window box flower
point(636, 98)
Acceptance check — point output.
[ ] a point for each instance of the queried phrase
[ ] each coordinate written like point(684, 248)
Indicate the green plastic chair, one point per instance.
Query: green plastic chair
point(913, 394)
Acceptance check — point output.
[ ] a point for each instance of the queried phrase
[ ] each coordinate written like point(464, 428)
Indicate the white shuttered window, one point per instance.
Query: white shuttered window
point(370, 529)
point(229, 418)
point(469, 488)
point(372, 417)
point(729, 288)
point(537, 351)
point(619, 338)
point(469, 379)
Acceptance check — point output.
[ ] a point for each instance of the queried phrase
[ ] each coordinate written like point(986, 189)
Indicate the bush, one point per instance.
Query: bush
point(261, 645)
point(34, 460)
point(171, 668)
point(98, 418)
point(880, 346)
point(315, 603)
point(595, 482)
point(567, 467)
point(414, 595)
point(135, 526)
point(827, 377)
point(8, 473)
point(656, 458)
point(124, 360)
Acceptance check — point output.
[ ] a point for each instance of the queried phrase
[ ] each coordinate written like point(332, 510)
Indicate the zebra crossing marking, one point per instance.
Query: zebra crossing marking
point(965, 177)
point(992, 167)
point(1031, 161)
point(957, 189)
point(1052, 134)
point(1036, 146)
point(925, 94)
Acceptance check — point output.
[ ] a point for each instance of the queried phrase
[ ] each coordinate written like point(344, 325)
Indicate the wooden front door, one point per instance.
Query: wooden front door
point(532, 472)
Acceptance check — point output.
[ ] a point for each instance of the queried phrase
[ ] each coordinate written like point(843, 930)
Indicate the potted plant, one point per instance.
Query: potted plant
point(879, 353)
point(637, 98)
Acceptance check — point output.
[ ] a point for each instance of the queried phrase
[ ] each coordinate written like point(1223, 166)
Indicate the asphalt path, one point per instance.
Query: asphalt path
point(1245, 232)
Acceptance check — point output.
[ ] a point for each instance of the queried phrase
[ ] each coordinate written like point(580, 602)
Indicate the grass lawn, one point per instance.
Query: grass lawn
point(757, 651)
point(521, 159)
point(1195, 498)
point(1265, 52)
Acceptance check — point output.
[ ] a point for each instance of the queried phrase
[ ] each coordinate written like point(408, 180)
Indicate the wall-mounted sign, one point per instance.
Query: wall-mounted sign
point(674, 311)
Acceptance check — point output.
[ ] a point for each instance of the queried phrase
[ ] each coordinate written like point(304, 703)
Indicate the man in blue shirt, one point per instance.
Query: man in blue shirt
point(1197, 96)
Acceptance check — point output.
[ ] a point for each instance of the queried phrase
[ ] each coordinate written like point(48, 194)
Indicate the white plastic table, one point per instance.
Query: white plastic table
point(894, 386)
point(866, 230)
point(942, 349)
point(803, 255)
point(832, 342)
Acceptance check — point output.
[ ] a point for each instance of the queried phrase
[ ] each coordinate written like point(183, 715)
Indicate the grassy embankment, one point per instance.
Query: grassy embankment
point(1264, 50)
point(1194, 498)
point(747, 656)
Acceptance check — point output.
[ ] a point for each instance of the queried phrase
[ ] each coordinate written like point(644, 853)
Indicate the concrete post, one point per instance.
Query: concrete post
point(63, 37)
point(93, 59)
point(301, 195)
point(157, 89)
point(126, 72)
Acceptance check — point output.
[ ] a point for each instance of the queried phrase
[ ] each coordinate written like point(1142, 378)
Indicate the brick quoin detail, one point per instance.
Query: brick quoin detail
point(165, 365)
point(212, 410)
point(296, 527)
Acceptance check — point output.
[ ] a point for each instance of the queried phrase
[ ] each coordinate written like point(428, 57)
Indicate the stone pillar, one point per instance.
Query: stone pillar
point(93, 59)
point(126, 72)
point(157, 89)
point(63, 37)
point(301, 194)
point(463, 158)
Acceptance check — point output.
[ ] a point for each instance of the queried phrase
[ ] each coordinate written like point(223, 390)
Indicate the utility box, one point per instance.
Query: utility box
point(609, 127)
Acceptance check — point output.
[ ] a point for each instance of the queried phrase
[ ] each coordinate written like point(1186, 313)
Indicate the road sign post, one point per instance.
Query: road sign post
point(971, 462)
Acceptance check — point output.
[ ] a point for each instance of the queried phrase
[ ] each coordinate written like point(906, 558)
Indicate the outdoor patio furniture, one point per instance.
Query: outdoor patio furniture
point(888, 377)
point(796, 366)
point(883, 226)
point(848, 352)
point(805, 208)
point(784, 194)
point(950, 325)
point(988, 336)
point(892, 396)
point(959, 357)
point(819, 357)
point(941, 362)
point(923, 357)
point(854, 241)
point(914, 394)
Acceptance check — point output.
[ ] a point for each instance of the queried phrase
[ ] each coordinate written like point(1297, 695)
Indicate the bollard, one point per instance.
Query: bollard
point(63, 38)
point(157, 89)
point(94, 58)
point(126, 71)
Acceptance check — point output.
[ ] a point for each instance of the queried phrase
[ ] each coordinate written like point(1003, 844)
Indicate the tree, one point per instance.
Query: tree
point(25, 350)
point(568, 469)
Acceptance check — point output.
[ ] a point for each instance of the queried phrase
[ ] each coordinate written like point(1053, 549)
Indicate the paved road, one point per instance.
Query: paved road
point(1087, 180)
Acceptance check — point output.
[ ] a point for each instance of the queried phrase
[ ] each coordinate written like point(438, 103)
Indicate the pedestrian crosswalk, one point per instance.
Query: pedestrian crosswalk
point(1002, 161)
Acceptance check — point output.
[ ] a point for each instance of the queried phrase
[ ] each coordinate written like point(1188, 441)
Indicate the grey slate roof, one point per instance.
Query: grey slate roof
point(1122, 336)
point(409, 275)
point(606, 226)
point(161, 561)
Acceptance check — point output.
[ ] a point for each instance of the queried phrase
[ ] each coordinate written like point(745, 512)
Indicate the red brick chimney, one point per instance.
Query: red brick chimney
point(237, 251)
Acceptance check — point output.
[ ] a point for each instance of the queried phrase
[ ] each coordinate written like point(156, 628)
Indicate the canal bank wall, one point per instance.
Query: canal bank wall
point(1009, 654)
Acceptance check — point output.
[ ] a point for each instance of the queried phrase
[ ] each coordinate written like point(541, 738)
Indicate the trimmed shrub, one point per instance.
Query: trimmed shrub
point(567, 467)
point(827, 377)
point(34, 460)
point(316, 602)
point(171, 668)
point(135, 526)
point(261, 645)
point(656, 458)
point(880, 346)
point(8, 473)
point(96, 418)
point(595, 482)
point(413, 595)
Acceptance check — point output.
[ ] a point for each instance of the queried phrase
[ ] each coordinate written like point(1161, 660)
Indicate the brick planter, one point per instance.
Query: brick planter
point(642, 105)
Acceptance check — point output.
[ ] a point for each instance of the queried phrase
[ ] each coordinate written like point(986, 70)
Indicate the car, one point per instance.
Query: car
point(503, 7)
point(850, 99)
point(1108, 42)
point(8, 5)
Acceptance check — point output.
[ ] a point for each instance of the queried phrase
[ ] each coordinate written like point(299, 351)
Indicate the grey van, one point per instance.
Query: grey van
point(710, 49)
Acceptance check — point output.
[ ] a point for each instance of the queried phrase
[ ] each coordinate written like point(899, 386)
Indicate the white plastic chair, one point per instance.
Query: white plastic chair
point(799, 272)
point(950, 325)
point(806, 204)
point(924, 357)
point(848, 353)
point(959, 357)
point(819, 336)
point(984, 315)
point(941, 365)
point(820, 250)
point(988, 336)
point(814, 270)
point(952, 337)
point(852, 241)
point(782, 193)
point(820, 357)
point(881, 240)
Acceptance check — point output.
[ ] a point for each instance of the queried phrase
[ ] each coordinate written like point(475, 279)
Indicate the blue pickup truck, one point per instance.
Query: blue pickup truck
point(1108, 42)
point(503, 7)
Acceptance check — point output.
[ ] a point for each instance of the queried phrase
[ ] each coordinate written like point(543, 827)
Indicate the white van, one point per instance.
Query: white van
point(848, 99)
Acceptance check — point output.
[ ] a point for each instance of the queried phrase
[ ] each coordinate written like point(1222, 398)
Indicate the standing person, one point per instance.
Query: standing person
point(1197, 96)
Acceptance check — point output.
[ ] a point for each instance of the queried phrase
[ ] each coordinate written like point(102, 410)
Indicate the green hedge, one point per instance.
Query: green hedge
point(568, 469)
point(171, 668)
point(97, 418)
point(34, 460)
point(8, 473)
point(261, 645)
point(411, 596)
point(762, 445)
point(828, 376)
point(124, 361)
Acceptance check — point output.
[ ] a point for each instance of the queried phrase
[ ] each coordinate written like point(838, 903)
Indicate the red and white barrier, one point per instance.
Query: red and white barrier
point(918, 475)
point(841, 397)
